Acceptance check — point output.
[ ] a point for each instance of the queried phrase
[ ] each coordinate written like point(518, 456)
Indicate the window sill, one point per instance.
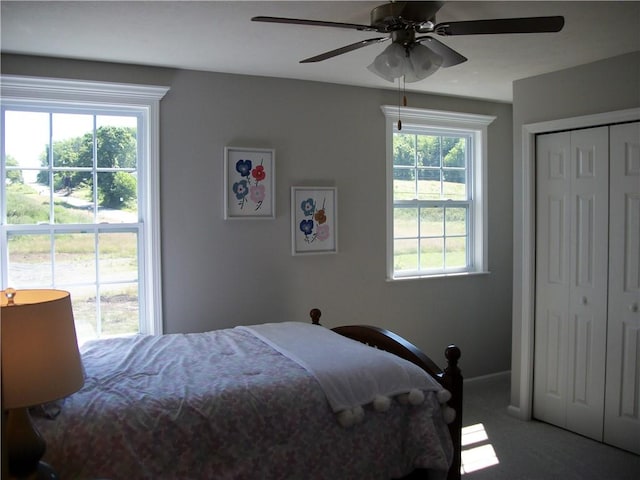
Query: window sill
point(438, 275)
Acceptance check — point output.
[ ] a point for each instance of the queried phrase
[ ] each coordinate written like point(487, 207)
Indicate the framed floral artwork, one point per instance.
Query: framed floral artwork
point(249, 183)
point(314, 222)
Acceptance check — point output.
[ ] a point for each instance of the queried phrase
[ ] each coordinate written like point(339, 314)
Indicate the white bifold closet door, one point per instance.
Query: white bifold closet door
point(571, 279)
point(587, 318)
point(622, 403)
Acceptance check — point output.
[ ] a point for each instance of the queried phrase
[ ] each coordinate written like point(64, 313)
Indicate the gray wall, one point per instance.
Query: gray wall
point(605, 86)
point(219, 273)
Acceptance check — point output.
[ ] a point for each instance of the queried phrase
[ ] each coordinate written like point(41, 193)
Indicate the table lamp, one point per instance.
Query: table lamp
point(40, 363)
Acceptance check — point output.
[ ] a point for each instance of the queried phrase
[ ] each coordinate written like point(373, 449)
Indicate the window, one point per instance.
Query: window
point(436, 193)
point(79, 196)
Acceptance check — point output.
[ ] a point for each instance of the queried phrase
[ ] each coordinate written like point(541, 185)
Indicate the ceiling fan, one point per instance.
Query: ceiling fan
point(410, 26)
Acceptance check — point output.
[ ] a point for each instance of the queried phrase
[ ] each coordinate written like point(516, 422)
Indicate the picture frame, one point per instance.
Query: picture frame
point(249, 183)
point(314, 220)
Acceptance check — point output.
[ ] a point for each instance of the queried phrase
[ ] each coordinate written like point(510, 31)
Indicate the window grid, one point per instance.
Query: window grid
point(437, 169)
point(137, 228)
point(439, 180)
point(422, 237)
point(57, 229)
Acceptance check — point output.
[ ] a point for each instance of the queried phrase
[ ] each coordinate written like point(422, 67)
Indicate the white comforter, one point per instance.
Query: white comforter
point(350, 373)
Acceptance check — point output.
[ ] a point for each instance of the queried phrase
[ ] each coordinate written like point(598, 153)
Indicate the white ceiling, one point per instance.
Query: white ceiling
point(219, 36)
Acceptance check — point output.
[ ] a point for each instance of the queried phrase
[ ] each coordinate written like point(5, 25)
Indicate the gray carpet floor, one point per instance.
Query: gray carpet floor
point(502, 447)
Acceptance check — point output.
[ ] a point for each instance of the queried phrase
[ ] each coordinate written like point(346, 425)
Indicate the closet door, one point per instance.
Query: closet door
point(622, 406)
point(553, 182)
point(571, 279)
point(587, 329)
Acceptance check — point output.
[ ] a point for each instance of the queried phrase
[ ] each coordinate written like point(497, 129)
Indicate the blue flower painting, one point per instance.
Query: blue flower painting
point(249, 183)
point(316, 227)
point(247, 189)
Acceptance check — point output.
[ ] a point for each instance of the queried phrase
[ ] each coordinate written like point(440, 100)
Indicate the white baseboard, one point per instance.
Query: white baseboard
point(490, 376)
point(514, 411)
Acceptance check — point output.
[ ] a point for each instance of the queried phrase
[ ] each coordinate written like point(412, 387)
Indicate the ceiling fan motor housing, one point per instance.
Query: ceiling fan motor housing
point(395, 16)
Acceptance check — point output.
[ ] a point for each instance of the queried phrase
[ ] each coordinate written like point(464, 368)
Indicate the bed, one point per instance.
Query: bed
point(250, 403)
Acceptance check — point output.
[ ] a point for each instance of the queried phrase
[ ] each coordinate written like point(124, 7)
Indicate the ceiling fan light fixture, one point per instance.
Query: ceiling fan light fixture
point(414, 64)
point(390, 64)
point(423, 62)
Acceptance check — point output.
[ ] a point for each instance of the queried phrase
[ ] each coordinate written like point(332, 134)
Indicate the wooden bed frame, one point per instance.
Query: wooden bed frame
point(450, 378)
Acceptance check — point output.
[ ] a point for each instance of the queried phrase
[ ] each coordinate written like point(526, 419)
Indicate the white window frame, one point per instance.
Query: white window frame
point(473, 125)
point(88, 97)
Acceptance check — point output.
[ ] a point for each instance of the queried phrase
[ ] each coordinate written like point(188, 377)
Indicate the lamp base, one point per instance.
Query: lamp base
point(25, 447)
point(43, 472)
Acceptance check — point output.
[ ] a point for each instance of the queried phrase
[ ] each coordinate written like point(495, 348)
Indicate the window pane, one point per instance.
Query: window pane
point(75, 258)
point(117, 142)
point(454, 151)
point(73, 198)
point(456, 221)
point(454, 184)
point(405, 222)
point(119, 309)
point(26, 140)
point(404, 184)
point(429, 154)
point(431, 253)
point(29, 260)
point(73, 208)
point(405, 254)
point(27, 204)
point(72, 140)
point(456, 252)
point(404, 149)
point(117, 197)
point(432, 222)
point(118, 257)
point(428, 184)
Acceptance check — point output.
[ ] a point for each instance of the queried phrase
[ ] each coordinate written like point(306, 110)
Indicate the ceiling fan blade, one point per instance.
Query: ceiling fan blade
point(314, 23)
point(502, 25)
point(345, 49)
point(449, 56)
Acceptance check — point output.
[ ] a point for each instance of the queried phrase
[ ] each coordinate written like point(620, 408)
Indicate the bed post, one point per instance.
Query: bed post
point(452, 381)
point(315, 314)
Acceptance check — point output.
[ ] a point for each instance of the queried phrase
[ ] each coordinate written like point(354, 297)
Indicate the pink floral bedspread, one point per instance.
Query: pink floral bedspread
point(225, 405)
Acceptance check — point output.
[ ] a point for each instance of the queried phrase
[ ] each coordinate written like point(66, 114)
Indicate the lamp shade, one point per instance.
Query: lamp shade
point(40, 357)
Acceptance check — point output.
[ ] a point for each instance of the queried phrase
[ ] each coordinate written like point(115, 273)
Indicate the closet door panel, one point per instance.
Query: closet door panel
point(552, 277)
point(622, 406)
point(587, 329)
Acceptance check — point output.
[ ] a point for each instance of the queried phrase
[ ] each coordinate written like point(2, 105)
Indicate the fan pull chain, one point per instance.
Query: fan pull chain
point(404, 99)
point(404, 91)
point(399, 121)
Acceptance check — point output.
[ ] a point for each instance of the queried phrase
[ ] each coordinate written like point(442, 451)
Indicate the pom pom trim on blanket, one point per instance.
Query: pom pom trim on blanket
point(382, 403)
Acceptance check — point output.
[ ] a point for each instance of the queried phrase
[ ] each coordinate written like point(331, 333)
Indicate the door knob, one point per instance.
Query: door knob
point(633, 307)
